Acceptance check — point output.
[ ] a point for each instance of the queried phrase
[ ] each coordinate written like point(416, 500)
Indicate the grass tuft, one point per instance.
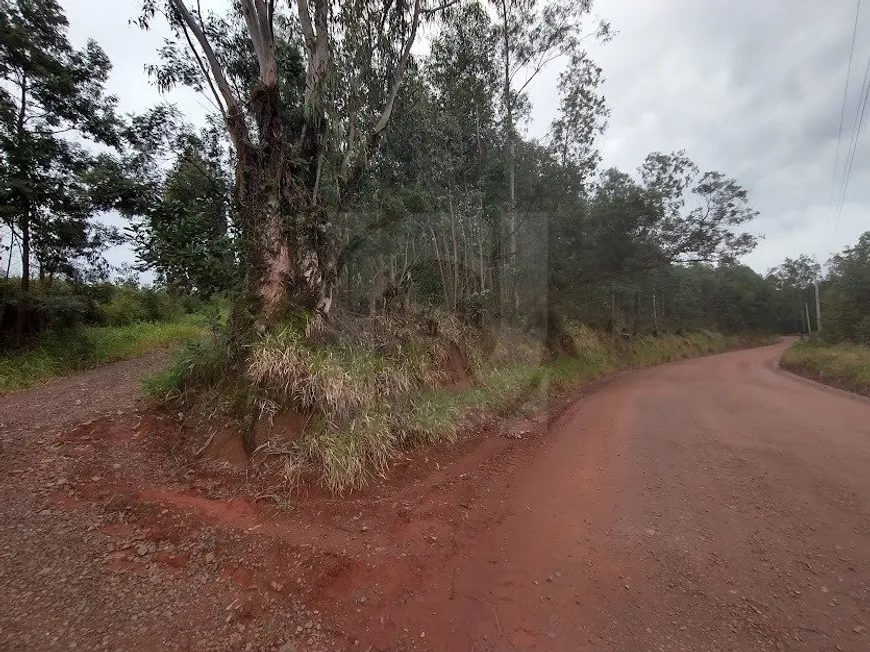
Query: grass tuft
point(350, 456)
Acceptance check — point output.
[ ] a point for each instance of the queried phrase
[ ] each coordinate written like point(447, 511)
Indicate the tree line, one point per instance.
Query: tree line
point(341, 172)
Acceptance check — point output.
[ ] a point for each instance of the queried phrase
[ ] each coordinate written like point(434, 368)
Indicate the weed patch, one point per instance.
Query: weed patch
point(846, 366)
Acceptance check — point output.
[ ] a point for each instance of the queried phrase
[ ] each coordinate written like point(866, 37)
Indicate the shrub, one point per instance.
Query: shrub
point(131, 305)
point(66, 311)
point(125, 307)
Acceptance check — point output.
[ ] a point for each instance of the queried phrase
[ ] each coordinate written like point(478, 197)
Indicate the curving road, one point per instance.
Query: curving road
point(713, 504)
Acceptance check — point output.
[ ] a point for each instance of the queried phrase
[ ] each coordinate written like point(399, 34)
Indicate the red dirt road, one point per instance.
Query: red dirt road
point(712, 504)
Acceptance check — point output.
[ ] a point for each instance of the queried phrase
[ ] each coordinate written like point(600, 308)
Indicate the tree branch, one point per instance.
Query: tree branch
point(220, 79)
point(438, 8)
point(204, 71)
point(349, 182)
point(538, 68)
point(256, 14)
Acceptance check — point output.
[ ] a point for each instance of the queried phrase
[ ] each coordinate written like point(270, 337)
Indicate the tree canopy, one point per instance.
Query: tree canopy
point(52, 101)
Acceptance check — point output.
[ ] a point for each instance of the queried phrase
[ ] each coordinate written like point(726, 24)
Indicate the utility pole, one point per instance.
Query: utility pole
point(809, 325)
point(818, 310)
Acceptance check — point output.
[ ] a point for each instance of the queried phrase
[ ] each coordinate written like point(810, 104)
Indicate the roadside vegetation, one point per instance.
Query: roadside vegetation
point(367, 400)
point(838, 353)
point(843, 365)
point(64, 327)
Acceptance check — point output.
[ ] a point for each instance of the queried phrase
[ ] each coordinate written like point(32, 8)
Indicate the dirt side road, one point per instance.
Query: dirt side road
point(712, 504)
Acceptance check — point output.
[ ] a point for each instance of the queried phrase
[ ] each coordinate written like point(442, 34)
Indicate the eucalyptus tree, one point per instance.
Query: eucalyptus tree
point(581, 120)
point(846, 296)
point(699, 214)
point(302, 145)
point(532, 34)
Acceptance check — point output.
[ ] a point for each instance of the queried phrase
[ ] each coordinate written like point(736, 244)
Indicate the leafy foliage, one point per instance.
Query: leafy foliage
point(846, 294)
point(52, 98)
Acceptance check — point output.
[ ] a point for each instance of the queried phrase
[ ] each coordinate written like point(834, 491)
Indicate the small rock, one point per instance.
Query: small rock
point(858, 629)
point(141, 550)
point(209, 557)
point(287, 647)
point(422, 634)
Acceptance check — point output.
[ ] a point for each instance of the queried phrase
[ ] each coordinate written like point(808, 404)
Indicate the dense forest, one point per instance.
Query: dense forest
point(345, 179)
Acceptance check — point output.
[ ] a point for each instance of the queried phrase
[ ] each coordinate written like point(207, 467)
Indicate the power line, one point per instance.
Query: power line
point(853, 145)
point(845, 95)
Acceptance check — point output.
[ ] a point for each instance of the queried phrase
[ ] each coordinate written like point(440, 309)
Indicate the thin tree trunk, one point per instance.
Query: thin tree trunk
point(481, 257)
point(510, 147)
point(25, 251)
point(455, 254)
point(25, 208)
point(441, 270)
point(11, 247)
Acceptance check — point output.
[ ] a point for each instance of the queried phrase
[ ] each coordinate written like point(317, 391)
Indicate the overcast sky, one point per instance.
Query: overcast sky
point(753, 88)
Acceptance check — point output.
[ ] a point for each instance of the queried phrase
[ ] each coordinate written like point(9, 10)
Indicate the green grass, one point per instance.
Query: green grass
point(59, 354)
point(843, 365)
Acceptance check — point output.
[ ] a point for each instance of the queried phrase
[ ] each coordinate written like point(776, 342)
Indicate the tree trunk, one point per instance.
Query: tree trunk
point(288, 243)
point(558, 340)
point(25, 251)
point(25, 209)
point(511, 152)
point(11, 247)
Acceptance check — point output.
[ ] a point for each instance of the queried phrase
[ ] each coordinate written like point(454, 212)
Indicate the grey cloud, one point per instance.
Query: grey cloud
point(753, 89)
